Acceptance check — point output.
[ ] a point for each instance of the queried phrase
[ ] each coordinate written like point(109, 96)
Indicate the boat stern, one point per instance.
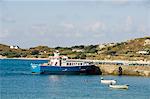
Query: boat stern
point(35, 68)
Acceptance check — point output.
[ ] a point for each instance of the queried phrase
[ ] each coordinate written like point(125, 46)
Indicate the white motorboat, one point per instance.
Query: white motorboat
point(104, 81)
point(119, 86)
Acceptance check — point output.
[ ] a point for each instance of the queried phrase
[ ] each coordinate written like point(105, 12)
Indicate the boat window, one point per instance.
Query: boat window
point(67, 63)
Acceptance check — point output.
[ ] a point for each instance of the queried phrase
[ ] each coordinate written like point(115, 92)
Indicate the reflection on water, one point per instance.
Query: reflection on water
point(54, 78)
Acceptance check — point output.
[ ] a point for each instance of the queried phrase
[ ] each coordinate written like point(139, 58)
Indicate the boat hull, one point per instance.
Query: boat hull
point(108, 81)
point(90, 69)
point(119, 86)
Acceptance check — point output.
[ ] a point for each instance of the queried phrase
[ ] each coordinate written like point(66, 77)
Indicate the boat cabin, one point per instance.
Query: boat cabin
point(58, 60)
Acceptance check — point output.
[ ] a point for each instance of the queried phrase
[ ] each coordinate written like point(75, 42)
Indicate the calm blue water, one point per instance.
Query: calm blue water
point(17, 82)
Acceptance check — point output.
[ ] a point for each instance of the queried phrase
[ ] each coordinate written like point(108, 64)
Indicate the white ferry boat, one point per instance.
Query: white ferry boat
point(62, 65)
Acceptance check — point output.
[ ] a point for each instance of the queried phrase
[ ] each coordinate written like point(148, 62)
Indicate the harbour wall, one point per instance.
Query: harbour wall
point(124, 70)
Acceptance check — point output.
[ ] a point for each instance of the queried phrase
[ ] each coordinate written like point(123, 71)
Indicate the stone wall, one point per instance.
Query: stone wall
point(125, 70)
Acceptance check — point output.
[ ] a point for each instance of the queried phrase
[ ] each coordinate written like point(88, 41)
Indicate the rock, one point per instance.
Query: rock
point(147, 73)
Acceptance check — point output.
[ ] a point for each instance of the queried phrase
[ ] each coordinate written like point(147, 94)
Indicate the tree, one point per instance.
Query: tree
point(78, 47)
point(91, 49)
point(35, 52)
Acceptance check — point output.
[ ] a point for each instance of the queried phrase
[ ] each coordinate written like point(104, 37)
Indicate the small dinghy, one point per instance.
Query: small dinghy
point(104, 81)
point(119, 86)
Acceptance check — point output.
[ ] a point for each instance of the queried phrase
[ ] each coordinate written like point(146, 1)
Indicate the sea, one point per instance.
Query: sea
point(17, 82)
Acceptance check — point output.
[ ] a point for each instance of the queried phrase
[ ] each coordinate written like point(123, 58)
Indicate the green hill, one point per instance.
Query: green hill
point(128, 50)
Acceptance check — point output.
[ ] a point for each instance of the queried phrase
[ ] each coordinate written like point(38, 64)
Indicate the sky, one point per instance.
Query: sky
point(29, 23)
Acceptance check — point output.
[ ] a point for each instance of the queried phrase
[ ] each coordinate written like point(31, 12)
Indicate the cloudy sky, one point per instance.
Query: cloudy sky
point(29, 23)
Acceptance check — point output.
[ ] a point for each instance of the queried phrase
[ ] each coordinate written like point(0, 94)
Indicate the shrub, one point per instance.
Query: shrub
point(91, 49)
point(35, 52)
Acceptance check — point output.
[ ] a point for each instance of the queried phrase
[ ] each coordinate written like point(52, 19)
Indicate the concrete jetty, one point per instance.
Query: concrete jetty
point(125, 70)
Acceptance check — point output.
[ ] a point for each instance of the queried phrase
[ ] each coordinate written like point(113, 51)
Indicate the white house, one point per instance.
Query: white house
point(105, 45)
point(102, 46)
point(143, 52)
point(147, 42)
point(14, 47)
point(11, 47)
point(77, 50)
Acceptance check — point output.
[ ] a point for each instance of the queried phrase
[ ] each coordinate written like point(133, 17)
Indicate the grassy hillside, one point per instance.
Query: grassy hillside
point(127, 50)
point(124, 50)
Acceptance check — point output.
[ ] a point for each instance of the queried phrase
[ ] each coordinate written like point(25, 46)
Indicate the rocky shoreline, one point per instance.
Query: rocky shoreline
point(125, 70)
